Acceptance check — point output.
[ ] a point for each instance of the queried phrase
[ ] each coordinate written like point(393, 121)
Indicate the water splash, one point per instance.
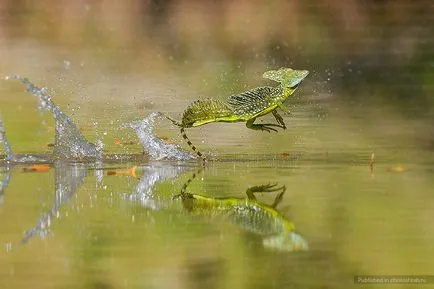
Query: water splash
point(154, 146)
point(69, 142)
point(3, 185)
point(4, 140)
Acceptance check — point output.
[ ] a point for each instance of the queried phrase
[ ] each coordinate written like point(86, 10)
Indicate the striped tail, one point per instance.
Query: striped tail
point(184, 187)
point(192, 145)
point(183, 194)
point(187, 139)
point(175, 122)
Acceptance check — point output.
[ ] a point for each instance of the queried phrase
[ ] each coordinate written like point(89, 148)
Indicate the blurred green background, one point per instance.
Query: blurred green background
point(370, 90)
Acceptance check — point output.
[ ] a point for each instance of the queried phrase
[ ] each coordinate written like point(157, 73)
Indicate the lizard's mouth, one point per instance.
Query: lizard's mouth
point(295, 86)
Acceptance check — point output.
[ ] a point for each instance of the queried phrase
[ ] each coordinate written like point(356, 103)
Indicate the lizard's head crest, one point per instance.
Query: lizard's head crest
point(286, 76)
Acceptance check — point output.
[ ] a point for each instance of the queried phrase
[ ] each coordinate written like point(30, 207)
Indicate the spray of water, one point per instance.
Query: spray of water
point(69, 142)
point(4, 140)
point(154, 146)
point(3, 185)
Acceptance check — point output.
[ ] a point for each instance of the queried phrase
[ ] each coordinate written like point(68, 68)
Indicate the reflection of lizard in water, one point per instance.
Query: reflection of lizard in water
point(246, 106)
point(250, 214)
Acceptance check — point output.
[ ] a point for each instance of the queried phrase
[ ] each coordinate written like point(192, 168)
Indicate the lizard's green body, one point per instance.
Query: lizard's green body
point(251, 215)
point(246, 106)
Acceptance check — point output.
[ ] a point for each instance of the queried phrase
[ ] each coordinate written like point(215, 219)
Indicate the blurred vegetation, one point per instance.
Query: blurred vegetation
point(363, 49)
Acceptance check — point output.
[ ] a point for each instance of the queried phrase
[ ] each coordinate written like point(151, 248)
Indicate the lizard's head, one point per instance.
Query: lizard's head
point(287, 77)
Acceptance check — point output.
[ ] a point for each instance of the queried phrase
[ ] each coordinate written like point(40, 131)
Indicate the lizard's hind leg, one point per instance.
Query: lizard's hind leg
point(279, 119)
point(191, 145)
point(183, 193)
point(267, 189)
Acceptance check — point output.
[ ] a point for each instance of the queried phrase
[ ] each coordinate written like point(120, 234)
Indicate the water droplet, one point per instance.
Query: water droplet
point(66, 64)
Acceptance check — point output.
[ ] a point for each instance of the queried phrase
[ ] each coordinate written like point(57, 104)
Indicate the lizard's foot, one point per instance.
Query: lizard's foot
point(279, 197)
point(266, 126)
point(268, 188)
point(263, 126)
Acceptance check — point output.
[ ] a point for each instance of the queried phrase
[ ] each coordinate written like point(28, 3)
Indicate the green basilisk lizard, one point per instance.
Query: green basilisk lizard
point(246, 106)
